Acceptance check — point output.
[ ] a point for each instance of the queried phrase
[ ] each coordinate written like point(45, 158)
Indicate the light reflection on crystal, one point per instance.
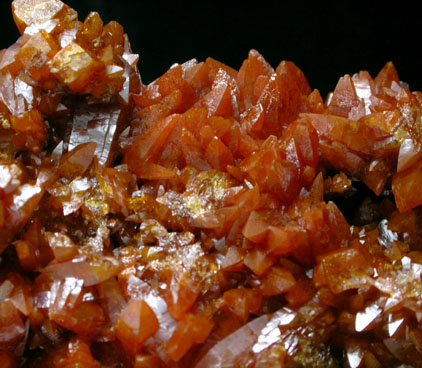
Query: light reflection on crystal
point(393, 325)
point(114, 69)
point(7, 95)
point(364, 319)
point(43, 299)
point(408, 154)
point(220, 244)
point(132, 59)
point(70, 286)
point(170, 254)
point(386, 236)
point(25, 93)
point(67, 37)
point(190, 254)
point(54, 290)
point(124, 93)
point(10, 177)
point(139, 289)
point(364, 87)
point(417, 270)
point(48, 26)
point(270, 334)
point(232, 348)
point(354, 358)
point(391, 303)
point(80, 185)
point(27, 192)
point(406, 263)
point(310, 273)
point(71, 207)
point(375, 274)
point(5, 289)
point(290, 343)
point(98, 124)
point(88, 297)
point(8, 57)
point(58, 151)
point(91, 272)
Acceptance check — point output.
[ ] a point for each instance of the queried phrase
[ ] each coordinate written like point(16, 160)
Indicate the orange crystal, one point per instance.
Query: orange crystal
point(135, 325)
point(213, 217)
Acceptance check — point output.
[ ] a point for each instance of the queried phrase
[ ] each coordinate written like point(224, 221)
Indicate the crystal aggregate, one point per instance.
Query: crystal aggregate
point(210, 218)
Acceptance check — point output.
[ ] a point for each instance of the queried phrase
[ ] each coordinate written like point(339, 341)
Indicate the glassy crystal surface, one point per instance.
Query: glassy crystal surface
point(212, 218)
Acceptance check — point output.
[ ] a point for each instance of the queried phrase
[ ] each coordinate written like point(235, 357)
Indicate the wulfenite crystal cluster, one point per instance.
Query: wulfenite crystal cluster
point(212, 218)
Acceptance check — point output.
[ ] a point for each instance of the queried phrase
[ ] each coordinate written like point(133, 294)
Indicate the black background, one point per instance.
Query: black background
point(325, 39)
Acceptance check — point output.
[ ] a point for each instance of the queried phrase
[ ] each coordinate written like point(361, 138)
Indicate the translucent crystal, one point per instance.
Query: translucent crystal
point(188, 222)
point(364, 319)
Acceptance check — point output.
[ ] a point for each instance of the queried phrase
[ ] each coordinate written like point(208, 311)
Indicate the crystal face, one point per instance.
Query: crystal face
point(212, 218)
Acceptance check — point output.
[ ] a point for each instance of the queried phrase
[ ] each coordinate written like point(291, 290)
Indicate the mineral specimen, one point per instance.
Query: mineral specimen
point(212, 218)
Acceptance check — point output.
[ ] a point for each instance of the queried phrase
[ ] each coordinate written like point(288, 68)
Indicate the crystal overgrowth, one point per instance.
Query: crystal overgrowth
point(214, 217)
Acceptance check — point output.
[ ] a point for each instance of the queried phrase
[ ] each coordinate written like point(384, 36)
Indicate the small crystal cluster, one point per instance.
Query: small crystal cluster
point(208, 219)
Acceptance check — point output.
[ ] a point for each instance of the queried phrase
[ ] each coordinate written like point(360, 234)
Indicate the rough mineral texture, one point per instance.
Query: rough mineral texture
point(213, 218)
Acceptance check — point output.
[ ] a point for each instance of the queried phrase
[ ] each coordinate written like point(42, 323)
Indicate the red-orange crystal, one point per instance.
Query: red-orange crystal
point(213, 218)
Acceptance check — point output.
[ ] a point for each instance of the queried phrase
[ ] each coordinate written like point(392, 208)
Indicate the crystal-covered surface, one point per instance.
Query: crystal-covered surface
point(213, 218)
